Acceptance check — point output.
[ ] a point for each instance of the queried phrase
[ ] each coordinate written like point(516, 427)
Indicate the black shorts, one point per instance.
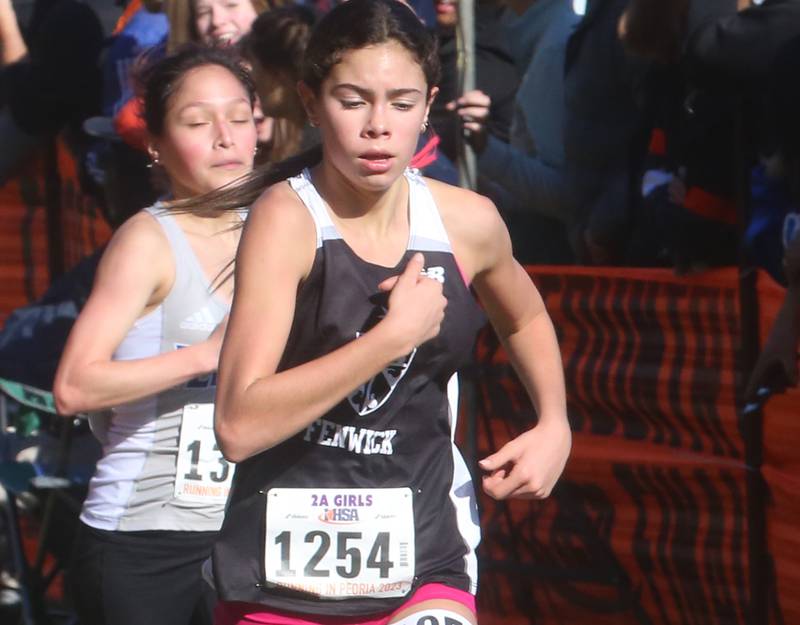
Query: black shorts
point(137, 578)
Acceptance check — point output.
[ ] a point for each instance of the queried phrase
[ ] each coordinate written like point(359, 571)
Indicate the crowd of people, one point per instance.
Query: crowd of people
point(269, 352)
point(608, 132)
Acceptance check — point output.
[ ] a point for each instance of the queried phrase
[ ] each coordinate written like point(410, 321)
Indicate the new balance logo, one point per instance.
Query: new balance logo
point(434, 273)
point(200, 320)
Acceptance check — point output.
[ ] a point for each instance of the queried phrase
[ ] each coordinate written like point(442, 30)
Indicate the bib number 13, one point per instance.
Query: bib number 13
point(219, 475)
point(202, 474)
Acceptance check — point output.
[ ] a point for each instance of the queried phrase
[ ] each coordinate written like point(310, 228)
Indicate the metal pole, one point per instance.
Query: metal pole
point(753, 426)
point(465, 39)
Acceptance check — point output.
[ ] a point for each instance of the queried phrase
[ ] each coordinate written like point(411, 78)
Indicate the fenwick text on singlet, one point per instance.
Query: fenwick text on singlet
point(354, 439)
point(363, 440)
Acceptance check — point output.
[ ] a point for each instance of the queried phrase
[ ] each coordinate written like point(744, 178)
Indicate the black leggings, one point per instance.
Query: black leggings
point(141, 578)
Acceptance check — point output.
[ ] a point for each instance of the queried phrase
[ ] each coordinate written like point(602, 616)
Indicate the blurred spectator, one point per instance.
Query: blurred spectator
point(212, 21)
point(530, 170)
point(743, 45)
point(117, 161)
point(582, 128)
point(606, 133)
point(711, 107)
point(144, 28)
point(48, 81)
point(220, 22)
point(688, 213)
point(738, 50)
point(495, 73)
point(775, 219)
point(275, 47)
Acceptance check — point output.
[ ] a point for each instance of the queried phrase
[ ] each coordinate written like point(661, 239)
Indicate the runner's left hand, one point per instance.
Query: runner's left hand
point(529, 465)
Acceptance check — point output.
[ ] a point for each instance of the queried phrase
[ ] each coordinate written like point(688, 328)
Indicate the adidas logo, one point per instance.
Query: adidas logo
point(200, 320)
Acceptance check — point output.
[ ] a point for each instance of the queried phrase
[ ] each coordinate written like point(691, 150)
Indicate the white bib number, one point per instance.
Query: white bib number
point(341, 543)
point(203, 475)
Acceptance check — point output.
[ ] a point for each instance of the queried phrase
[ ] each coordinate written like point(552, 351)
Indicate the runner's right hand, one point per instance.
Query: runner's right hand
point(416, 303)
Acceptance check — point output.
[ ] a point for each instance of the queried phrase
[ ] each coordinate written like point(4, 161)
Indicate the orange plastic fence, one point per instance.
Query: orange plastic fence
point(650, 521)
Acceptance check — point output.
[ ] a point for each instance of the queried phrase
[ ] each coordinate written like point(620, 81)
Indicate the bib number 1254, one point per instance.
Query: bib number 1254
point(341, 543)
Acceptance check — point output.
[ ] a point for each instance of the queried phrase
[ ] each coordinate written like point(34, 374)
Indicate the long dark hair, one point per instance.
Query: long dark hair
point(360, 23)
point(278, 39)
point(353, 25)
point(277, 42)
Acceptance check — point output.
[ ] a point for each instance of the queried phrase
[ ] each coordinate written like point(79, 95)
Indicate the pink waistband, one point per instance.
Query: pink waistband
point(236, 613)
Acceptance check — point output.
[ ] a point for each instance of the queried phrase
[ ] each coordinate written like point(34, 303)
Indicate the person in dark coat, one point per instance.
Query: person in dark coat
point(599, 128)
point(528, 170)
point(495, 73)
point(49, 81)
point(742, 45)
point(605, 134)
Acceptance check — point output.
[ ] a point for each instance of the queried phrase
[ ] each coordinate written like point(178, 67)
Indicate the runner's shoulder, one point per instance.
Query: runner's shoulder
point(279, 219)
point(471, 218)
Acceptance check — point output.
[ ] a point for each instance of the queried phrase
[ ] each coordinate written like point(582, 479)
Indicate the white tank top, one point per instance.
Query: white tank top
point(134, 485)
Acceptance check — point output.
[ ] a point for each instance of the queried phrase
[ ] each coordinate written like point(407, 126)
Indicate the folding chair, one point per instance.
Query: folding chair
point(47, 485)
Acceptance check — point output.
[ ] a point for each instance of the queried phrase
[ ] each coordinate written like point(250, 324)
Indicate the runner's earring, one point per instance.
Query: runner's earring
point(154, 160)
point(424, 127)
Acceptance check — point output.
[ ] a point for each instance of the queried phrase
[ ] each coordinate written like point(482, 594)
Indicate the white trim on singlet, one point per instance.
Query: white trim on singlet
point(312, 200)
point(462, 493)
point(426, 230)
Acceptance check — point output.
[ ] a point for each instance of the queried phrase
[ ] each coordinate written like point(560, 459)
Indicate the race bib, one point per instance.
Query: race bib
point(340, 543)
point(203, 475)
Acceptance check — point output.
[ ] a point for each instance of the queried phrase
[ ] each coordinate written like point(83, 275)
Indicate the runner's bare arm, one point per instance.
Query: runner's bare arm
point(530, 464)
point(258, 408)
point(134, 275)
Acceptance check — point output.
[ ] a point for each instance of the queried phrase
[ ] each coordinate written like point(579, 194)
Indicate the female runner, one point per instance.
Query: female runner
point(352, 310)
point(147, 345)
